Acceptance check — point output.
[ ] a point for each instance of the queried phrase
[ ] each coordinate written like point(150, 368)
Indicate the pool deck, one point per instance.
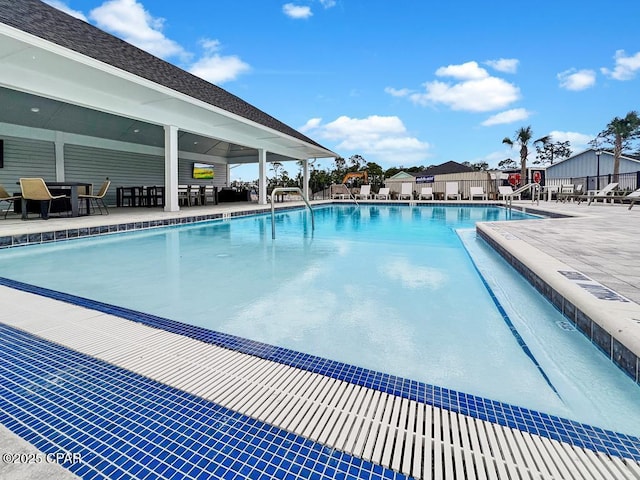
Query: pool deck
point(365, 432)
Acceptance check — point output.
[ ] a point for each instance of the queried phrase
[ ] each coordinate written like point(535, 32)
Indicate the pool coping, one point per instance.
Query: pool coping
point(608, 319)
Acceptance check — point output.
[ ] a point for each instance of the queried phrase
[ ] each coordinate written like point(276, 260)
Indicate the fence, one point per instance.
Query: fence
point(625, 181)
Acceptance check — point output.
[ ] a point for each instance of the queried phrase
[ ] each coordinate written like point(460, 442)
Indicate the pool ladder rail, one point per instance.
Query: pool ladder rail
point(287, 189)
point(535, 193)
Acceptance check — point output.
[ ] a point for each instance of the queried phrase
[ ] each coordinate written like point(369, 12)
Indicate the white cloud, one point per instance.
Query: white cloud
point(509, 116)
point(626, 66)
point(506, 65)
point(465, 71)
point(474, 91)
point(377, 138)
point(216, 68)
point(578, 141)
point(130, 21)
point(403, 92)
point(328, 3)
point(66, 9)
point(576, 80)
point(296, 11)
point(480, 95)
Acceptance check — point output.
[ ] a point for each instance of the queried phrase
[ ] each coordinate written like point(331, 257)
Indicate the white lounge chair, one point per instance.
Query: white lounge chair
point(451, 190)
point(477, 192)
point(426, 193)
point(383, 194)
point(505, 191)
point(365, 192)
point(632, 198)
point(406, 191)
point(604, 194)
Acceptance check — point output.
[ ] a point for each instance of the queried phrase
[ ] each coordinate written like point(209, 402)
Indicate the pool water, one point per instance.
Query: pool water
point(397, 289)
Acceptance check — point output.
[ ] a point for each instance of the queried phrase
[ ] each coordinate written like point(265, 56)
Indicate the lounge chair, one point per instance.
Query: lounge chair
point(365, 192)
point(383, 194)
point(505, 191)
point(605, 194)
point(632, 198)
point(569, 192)
point(99, 198)
point(6, 197)
point(36, 189)
point(477, 192)
point(426, 193)
point(406, 191)
point(451, 190)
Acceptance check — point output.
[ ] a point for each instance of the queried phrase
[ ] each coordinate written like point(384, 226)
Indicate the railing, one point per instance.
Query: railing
point(287, 189)
point(345, 189)
point(626, 181)
point(534, 188)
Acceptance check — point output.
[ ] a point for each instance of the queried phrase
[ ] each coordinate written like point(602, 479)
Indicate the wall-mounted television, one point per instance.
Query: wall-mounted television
point(203, 171)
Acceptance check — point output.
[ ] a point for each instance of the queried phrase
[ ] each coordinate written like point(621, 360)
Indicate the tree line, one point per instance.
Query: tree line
point(619, 136)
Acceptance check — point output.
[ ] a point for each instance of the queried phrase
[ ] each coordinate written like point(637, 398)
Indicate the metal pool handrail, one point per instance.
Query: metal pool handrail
point(287, 189)
point(535, 196)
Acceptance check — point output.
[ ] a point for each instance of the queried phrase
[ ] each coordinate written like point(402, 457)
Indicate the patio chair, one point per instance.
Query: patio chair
point(183, 195)
point(195, 195)
point(406, 191)
point(605, 194)
point(6, 197)
point(98, 198)
point(451, 190)
point(209, 193)
point(383, 194)
point(426, 193)
point(569, 192)
point(365, 192)
point(505, 191)
point(632, 198)
point(36, 189)
point(477, 192)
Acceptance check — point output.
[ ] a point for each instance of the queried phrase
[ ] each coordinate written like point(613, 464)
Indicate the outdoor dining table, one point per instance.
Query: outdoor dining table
point(73, 187)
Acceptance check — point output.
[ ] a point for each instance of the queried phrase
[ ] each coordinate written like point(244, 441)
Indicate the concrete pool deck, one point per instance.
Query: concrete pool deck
point(599, 242)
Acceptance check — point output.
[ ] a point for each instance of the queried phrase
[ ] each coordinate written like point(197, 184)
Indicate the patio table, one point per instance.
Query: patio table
point(73, 187)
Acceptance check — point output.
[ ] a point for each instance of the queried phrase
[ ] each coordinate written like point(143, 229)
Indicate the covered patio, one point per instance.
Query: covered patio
point(82, 105)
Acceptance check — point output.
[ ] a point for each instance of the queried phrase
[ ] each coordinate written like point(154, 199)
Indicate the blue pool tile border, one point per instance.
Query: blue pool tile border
point(537, 423)
point(11, 241)
point(123, 425)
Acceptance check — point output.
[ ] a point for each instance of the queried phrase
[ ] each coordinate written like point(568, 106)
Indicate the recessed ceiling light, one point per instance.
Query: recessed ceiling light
point(195, 143)
point(35, 109)
point(136, 130)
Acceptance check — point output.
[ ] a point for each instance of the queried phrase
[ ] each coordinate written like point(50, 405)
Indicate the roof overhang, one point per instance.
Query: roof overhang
point(36, 66)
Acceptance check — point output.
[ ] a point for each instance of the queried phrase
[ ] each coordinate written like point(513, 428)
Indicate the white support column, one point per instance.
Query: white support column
point(305, 178)
point(171, 169)
point(262, 176)
point(59, 153)
point(228, 181)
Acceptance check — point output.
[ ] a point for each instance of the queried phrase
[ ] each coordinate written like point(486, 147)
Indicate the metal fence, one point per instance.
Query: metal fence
point(626, 181)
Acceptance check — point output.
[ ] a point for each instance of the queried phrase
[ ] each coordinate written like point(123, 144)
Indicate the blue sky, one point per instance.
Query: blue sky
point(402, 82)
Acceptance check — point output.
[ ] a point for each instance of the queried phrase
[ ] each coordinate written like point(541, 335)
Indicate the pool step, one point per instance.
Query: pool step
point(414, 438)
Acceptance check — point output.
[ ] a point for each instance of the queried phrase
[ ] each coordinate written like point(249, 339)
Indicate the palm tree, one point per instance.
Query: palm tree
point(522, 138)
point(619, 132)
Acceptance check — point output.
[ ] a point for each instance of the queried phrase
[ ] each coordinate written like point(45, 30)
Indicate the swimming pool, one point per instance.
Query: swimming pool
point(384, 279)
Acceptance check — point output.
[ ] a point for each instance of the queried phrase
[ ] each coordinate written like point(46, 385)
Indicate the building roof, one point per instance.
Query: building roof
point(633, 158)
point(48, 23)
point(443, 168)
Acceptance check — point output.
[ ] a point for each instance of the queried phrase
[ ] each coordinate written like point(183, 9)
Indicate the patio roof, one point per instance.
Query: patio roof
point(85, 81)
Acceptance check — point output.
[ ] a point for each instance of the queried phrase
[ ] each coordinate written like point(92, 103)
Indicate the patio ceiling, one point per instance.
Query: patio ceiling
point(77, 94)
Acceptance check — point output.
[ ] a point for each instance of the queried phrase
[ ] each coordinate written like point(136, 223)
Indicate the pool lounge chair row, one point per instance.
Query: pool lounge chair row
point(610, 193)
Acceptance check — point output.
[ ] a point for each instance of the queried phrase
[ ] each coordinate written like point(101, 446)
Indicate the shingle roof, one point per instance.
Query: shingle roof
point(51, 24)
point(446, 167)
